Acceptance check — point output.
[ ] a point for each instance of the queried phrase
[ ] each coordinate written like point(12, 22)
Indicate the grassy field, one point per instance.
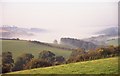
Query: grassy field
point(100, 66)
point(18, 47)
point(114, 42)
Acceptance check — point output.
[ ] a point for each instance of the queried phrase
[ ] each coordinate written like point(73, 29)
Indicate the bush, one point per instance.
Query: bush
point(36, 63)
point(80, 55)
point(7, 62)
point(59, 60)
point(22, 61)
point(47, 56)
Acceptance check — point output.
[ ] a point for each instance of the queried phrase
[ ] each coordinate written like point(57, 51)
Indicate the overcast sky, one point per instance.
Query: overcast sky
point(64, 18)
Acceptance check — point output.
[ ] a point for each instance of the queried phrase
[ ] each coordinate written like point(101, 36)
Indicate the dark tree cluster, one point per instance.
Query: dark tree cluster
point(22, 61)
point(27, 61)
point(36, 63)
point(9, 38)
point(81, 55)
point(50, 57)
point(7, 62)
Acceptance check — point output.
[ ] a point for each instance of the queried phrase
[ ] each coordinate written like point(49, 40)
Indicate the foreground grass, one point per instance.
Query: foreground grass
point(18, 47)
point(100, 66)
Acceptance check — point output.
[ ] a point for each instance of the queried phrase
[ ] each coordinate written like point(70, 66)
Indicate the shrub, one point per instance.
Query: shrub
point(7, 62)
point(36, 63)
point(22, 61)
point(47, 56)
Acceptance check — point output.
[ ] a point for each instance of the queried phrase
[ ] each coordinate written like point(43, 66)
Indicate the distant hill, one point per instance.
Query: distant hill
point(18, 47)
point(37, 30)
point(98, 40)
point(100, 66)
point(14, 31)
point(77, 43)
point(104, 36)
point(112, 31)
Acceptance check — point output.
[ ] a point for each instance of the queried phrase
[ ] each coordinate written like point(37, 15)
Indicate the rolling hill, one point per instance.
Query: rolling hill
point(100, 66)
point(104, 36)
point(18, 47)
point(77, 43)
point(112, 31)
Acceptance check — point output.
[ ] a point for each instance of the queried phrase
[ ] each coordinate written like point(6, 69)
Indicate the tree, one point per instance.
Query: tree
point(36, 63)
point(59, 60)
point(47, 55)
point(6, 68)
point(117, 50)
point(101, 52)
point(55, 42)
point(76, 55)
point(22, 61)
point(7, 58)
point(7, 62)
point(77, 52)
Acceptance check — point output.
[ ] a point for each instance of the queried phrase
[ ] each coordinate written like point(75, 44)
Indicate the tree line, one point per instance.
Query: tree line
point(103, 52)
point(27, 61)
point(47, 58)
point(49, 45)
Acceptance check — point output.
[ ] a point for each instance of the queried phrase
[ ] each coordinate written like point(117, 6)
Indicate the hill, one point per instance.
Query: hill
point(112, 31)
point(77, 43)
point(102, 40)
point(14, 31)
point(18, 47)
point(102, 37)
point(100, 66)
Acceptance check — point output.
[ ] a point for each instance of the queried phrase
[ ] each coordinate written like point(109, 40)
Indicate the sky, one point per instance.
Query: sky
point(62, 18)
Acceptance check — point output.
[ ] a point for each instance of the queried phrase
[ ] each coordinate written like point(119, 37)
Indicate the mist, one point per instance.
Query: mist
point(61, 19)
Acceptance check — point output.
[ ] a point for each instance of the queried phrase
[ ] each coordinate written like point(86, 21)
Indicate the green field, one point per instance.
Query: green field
point(114, 42)
point(100, 66)
point(18, 47)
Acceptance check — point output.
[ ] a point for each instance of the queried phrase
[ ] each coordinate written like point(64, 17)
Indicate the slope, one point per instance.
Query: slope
point(18, 47)
point(114, 42)
point(100, 66)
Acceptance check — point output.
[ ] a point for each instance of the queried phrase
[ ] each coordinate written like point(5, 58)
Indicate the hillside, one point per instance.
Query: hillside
point(111, 31)
point(77, 43)
point(103, 36)
point(103, 40)
point(100, 66)
point(114, 42)
point(18, 47)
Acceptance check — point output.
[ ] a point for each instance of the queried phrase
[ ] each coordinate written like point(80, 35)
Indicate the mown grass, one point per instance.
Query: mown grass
point(18, 47)
point(100, 66)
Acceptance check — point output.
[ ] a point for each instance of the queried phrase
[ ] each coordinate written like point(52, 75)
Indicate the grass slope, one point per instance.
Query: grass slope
point(100, 66)
point(18, 47)
point(114, 42)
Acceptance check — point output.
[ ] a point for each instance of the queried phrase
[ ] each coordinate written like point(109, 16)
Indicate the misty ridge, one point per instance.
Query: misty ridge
point(14, 31)
point(91, 43)
point(104, 36)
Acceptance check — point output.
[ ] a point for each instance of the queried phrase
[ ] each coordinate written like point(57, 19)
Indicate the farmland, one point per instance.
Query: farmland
point(18, 47)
